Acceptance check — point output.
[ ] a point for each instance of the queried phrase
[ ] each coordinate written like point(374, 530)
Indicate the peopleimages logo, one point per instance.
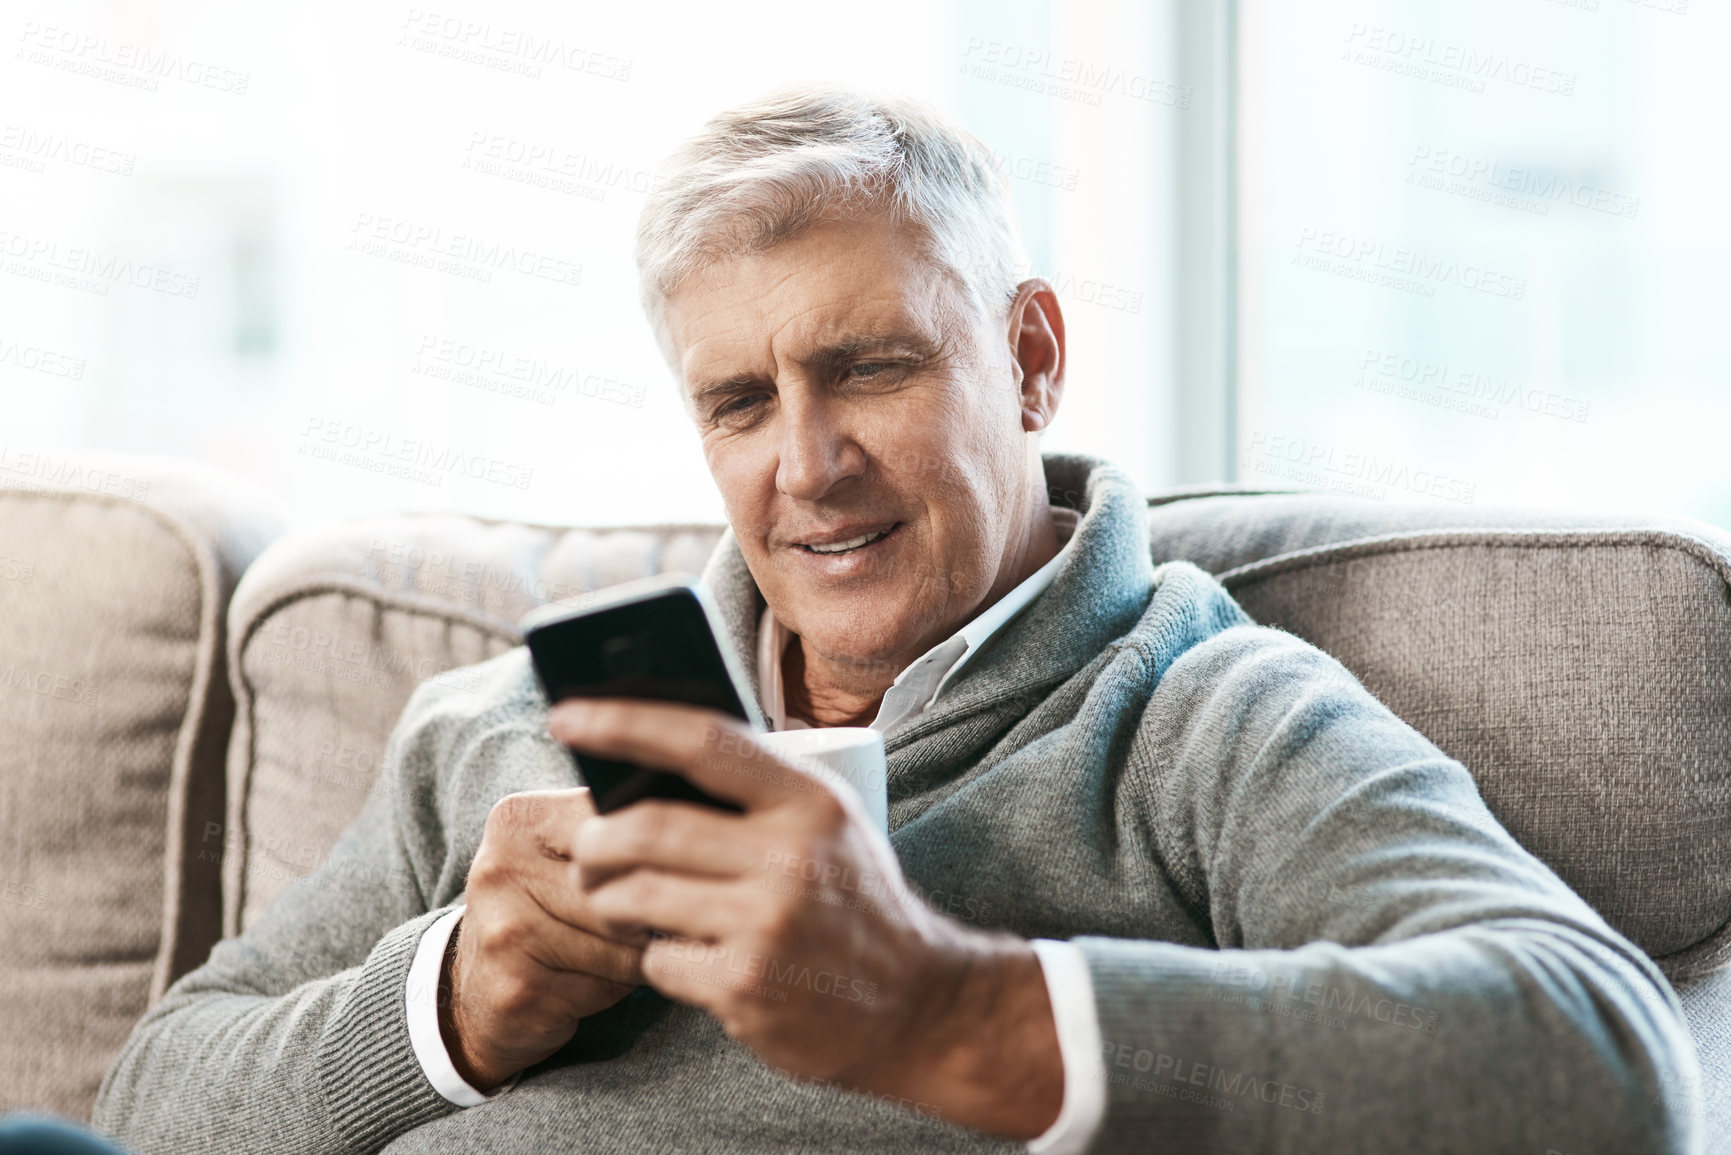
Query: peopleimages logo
point(463, 254)
point(23, 679)
point(506, 49)
point(22, 147)
point(1466, 390)
point(1454, 65)
point(117, 61)
point(1065, 77)
point(1514, 186)
point(86, 269)
point(1353, 473)
point(1328, 998)
point(548, 165)
point(33, 470)
point(1220, 1087)
point(778, 976)
point(40, 360)
point(1369, 259)
point(412, 458)
point(314, 649)
point(1036, 171)
point(514, 374)
point(435, 571)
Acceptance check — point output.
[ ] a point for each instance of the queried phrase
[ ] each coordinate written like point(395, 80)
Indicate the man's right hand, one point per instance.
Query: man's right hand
point(528, 961)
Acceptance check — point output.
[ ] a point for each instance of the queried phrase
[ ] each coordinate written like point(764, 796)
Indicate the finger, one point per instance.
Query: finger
point(715, 752)
point(647, 900)
point(699, 974)
point(528, 853)
point(543, 820)
point(557, 892)
point(678, 837)
point(560, 947)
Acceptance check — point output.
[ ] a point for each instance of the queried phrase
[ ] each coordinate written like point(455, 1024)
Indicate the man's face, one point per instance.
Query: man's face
point(843, 386)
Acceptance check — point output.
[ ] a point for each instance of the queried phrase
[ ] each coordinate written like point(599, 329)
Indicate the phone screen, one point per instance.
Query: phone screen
point(658, 645)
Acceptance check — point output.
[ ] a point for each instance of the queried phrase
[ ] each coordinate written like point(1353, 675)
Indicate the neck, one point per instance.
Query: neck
point(824, 692)
point(820, 701)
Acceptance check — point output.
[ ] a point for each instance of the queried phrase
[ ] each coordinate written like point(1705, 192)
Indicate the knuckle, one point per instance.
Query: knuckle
point(515, 994)
point(639, 891)
point(648, 829)
point(487, 871)
point(774, 924)
point(610, 902)
point(743, 1016)
point(498, 937)
point(483, 880)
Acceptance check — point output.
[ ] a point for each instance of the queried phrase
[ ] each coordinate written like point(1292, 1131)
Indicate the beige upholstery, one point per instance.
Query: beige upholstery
point(1582, 674)
point(1561, 667)
point(115, 574)
point(333, 629)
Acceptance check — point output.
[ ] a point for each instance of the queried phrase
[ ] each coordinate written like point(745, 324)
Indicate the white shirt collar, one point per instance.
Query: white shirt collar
point(916, 687)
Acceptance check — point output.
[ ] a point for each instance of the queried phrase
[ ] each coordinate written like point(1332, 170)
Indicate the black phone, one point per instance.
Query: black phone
point(658, 638)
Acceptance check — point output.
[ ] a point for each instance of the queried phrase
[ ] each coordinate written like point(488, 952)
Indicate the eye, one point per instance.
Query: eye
point(739, 404)
point(866, 369)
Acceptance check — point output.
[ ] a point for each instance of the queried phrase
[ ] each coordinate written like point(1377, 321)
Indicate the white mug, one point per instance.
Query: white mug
point(850, 754)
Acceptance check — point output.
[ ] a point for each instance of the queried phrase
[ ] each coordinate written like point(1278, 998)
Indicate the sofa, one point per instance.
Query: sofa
point(194, 702)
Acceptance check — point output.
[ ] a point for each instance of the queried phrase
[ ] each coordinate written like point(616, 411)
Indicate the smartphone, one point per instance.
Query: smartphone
point(660, 639)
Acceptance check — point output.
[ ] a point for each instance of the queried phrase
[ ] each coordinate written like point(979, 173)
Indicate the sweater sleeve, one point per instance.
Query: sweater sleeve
point(293, 1037)
point(1391, 972)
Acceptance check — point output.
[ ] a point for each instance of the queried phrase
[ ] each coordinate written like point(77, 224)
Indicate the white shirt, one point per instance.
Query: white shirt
point(1068, 983)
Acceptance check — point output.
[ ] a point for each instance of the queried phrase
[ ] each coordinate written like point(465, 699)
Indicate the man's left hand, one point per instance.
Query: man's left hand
point(793, 925)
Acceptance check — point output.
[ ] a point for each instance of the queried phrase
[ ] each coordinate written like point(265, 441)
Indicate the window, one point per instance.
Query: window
point(1483, 251)
point(378, 258)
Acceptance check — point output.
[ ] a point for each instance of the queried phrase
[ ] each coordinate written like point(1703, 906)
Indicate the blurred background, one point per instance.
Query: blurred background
point(377, 257)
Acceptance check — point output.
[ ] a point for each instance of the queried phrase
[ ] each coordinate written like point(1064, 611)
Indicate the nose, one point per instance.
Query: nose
point(817, 453)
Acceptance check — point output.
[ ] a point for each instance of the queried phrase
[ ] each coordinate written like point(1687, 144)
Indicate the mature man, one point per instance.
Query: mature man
point(1158, 878)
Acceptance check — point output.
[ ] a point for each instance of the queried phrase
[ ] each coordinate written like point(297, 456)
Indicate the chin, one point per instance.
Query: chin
point(869, 631)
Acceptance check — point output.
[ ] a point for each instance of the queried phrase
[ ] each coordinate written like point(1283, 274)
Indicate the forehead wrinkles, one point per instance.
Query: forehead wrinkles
point(759, 338)
point(848, 318)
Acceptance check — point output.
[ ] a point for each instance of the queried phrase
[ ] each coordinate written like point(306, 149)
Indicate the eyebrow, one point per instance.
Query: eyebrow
point(849, 348)
point(719, 390)
point(836, 353)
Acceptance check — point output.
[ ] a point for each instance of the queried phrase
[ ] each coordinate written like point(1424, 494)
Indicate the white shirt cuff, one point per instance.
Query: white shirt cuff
point(421, 1002)
point(1071, 990)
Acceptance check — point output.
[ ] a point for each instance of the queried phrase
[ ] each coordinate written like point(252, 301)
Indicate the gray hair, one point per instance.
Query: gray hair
point(759, 174)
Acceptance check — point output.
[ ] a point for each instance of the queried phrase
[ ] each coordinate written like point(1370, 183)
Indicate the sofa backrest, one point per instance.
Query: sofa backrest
point(338, 625)
point(1580, 666)
point(115, 575)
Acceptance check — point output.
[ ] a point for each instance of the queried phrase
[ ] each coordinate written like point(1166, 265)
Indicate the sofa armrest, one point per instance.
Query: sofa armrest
point(115, 577)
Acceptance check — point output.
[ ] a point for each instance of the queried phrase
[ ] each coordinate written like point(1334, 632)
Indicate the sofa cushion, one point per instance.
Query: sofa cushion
point(1222, 528)
point(332, 630)
point(1578, 664)
point(115, 574)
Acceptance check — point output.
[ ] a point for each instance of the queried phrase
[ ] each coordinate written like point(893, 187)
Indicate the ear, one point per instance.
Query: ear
point(1036, 336)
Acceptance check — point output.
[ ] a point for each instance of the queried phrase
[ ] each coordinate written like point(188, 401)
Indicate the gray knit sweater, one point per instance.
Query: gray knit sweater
point(1305, 931)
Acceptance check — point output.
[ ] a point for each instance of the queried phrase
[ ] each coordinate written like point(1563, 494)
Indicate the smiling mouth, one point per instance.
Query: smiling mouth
point(853, 544)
